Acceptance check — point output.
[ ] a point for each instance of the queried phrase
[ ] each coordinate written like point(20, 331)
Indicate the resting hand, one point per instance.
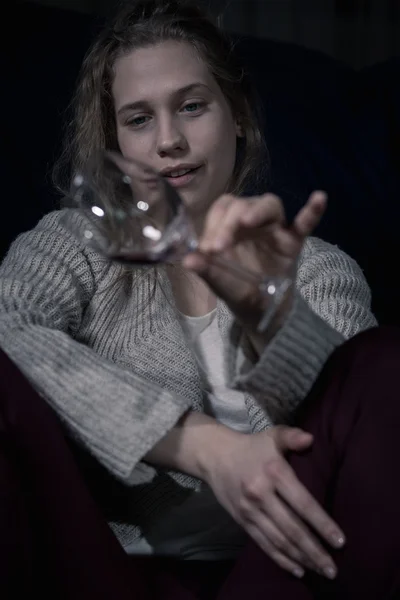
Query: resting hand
point(253, 481)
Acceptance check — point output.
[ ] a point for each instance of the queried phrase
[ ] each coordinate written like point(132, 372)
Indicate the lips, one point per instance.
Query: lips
point(179, 173)
point(179, 169)
point(181, 177)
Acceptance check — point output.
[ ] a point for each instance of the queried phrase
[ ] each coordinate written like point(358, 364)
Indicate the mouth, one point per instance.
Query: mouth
point(181, 176)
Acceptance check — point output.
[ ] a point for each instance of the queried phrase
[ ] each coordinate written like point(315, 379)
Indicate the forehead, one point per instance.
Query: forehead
point(155, 72)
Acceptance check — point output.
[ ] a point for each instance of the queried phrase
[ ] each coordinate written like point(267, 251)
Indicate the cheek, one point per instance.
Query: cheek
point(224, 150)
point(217, 144)
point(216, 139)
point(123, 141)
point(130, 146)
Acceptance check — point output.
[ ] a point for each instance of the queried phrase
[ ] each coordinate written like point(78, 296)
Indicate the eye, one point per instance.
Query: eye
point(137, 121)
point(193, 107)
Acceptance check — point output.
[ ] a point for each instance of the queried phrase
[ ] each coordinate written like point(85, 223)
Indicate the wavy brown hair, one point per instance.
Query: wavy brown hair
point(143, 23)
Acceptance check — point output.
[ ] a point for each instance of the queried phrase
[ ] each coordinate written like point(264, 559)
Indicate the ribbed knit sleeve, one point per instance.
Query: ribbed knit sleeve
point(332, 302)
point(46, 283)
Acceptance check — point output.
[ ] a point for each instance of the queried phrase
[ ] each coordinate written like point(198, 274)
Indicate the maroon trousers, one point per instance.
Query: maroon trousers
point(54, 538)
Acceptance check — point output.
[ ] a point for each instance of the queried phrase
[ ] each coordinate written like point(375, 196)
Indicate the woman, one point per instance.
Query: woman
point(181, 469)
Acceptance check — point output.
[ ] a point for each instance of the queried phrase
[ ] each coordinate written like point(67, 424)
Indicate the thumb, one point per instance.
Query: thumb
point(218, 280)
point(292, 438)
point(197, 262)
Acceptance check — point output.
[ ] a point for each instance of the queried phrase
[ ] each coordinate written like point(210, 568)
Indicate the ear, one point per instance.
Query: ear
point(239, 129)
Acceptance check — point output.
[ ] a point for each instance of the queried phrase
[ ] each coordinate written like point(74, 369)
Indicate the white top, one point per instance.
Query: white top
point(200, 528)
point(225, 404)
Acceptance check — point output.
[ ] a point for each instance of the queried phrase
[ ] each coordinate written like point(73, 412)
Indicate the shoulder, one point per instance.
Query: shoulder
point(50, 251)
point(48, 261)
point(52, 233)
point(50, 243)
point(318, 257)
point(48, 233)
point(334, 286)
point(316, 246)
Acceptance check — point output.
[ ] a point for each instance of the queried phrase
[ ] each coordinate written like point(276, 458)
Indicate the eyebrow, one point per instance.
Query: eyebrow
point(140, 104)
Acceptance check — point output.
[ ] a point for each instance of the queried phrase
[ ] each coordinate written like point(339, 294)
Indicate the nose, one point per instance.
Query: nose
point(171, 139)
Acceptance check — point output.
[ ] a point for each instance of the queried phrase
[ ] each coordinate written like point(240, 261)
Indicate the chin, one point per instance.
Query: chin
point(196, 207)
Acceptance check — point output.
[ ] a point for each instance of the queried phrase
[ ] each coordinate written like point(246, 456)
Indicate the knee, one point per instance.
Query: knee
point(374, 348)
point(360, 375)
point(383, 337)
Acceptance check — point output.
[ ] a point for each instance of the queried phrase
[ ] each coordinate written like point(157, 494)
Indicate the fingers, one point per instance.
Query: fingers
point(273, 551)
point(230, 215)
point(280, 526)
point(213, 226)
point(291, 438)
point(290, 508)
point(310, 215)
point(298, 497)
point(220, 234)
point(272, 535)
point(196, 262)
point(266, 210)
point(297, 535)
point(286, 540)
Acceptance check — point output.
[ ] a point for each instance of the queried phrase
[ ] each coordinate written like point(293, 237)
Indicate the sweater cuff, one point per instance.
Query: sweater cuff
point(290, 363)
point(165, 413)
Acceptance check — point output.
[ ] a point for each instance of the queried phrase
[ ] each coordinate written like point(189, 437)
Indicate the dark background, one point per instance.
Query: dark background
point(328, 76)
point(360, 32)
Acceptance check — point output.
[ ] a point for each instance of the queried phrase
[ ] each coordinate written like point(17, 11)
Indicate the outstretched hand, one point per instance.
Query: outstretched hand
point(252, 232)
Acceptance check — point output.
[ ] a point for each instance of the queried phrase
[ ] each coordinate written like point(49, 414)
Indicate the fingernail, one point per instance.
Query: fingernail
point(338, 540)
point(329, 572)
point(298, 572)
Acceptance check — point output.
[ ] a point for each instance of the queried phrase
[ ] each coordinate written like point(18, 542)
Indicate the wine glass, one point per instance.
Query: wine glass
point(130, 214)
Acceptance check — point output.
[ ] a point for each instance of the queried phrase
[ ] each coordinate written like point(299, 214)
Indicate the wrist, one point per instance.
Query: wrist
point(217, 444)
point(192, 446)
point(260, 339)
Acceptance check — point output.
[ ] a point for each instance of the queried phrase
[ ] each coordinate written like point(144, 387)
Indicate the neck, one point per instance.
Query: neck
point(192, 295)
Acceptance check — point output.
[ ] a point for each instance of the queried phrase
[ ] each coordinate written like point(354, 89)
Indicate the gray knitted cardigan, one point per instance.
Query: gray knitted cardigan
point(107, 352)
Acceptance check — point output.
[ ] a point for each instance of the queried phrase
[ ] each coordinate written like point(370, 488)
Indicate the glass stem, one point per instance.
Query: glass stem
point(273, 288)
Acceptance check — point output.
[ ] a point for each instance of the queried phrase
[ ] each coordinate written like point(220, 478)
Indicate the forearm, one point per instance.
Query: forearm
point(192, 445)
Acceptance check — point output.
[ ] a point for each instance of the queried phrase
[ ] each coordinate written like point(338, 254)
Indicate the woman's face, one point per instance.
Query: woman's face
point(172, 115)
